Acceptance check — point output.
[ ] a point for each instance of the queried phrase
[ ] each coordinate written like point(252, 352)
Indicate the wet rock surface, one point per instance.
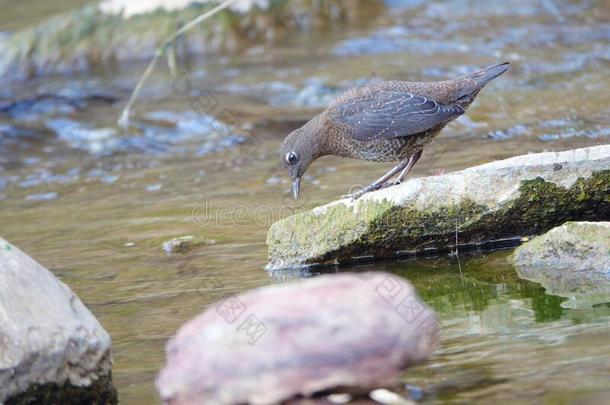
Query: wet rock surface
point(571, 260)
point(184, 244)
point(52, 348)
point(580, 246)
point(355, 331)
point(524, 195)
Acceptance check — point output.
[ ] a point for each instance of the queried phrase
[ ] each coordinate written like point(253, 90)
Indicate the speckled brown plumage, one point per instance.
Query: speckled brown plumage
point(384, 122)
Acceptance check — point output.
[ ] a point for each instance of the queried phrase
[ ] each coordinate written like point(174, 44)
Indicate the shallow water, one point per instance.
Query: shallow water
point(94, 204)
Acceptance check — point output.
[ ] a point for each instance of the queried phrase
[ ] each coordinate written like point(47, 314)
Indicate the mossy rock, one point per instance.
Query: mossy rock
point(522, 196)
point(100, 392)
point(571, 260)
point(52, 349)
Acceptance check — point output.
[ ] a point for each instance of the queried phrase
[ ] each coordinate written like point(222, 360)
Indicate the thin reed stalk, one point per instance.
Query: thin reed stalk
point(123, 121)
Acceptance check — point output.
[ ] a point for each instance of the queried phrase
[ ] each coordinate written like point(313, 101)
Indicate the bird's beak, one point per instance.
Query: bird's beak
point(296, 185)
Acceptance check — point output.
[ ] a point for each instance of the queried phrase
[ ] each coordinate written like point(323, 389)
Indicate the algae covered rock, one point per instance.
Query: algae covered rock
point(52, 349)
point(115, 31)
point(571, 260)
point(354, 331)
point(521, 196)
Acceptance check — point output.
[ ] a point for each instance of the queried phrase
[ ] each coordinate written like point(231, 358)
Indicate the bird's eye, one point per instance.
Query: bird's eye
point(291, 158)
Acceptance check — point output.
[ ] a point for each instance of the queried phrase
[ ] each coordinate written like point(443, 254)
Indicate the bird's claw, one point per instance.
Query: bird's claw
point(355, 196)
point(389, 183)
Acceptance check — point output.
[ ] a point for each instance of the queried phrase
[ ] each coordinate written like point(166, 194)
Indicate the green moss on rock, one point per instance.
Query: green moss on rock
point(100, 392)
point(542, 205)
point(571, 260)
point(308, 236)
point(376, 229)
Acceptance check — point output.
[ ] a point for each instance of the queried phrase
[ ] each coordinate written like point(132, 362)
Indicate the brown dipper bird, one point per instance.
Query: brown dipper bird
point(384, 122)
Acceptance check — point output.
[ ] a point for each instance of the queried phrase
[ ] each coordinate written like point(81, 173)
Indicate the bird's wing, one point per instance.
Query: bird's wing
point(390, 114)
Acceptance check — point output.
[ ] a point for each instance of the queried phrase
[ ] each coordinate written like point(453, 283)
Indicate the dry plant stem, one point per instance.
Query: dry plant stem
point(457, 251)
point(123, 121)
point(172, 63)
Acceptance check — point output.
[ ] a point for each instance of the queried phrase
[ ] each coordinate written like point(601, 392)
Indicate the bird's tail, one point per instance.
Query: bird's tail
point(474, 82)
point(484, 76)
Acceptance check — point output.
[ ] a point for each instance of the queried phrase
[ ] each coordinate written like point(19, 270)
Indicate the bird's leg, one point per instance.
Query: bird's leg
point(412, 160)
point(378, 183)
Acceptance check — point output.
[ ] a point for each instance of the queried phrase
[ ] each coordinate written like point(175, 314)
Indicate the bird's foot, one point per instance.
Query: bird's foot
point(360, 192)
point(438, 172)
point(390, 183)
point(356, 195)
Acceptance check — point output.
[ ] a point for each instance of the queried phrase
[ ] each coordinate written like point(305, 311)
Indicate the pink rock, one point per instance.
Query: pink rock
point(359, 331)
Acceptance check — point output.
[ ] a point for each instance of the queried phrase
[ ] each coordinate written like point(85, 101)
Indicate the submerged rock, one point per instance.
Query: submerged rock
point(185, 243)
point(52, 349)
point(354, 331)
point(571, 260)
point(523, 195)
point(178, 245)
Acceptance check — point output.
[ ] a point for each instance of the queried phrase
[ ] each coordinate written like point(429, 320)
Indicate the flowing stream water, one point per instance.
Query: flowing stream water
point(94, 204)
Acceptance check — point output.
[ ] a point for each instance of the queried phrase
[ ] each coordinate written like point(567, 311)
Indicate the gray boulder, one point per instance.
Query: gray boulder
point(571, 260)
point(52, 349)
point(271, 344)
point(521, 196)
